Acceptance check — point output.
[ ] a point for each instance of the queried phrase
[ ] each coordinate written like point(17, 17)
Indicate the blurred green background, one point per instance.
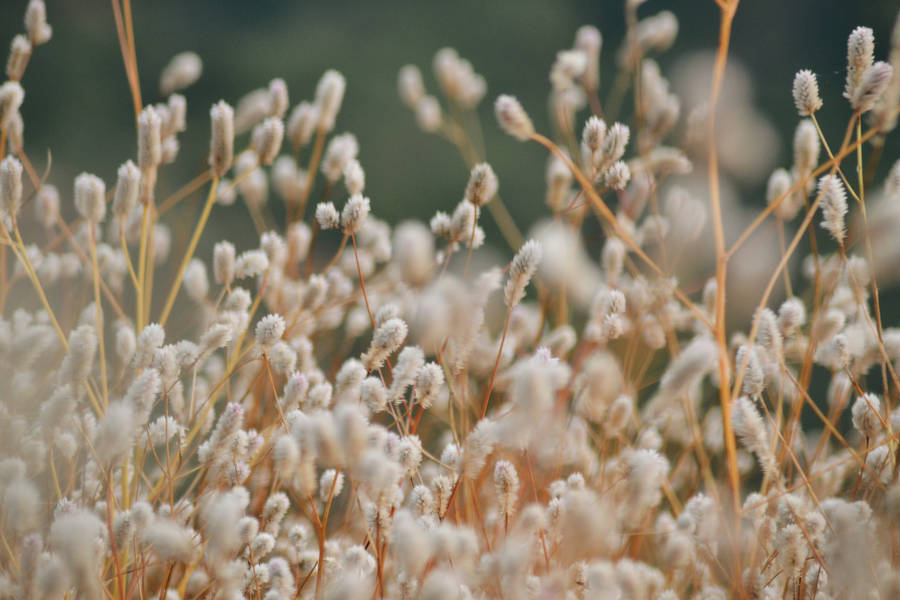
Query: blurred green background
point(78, 106)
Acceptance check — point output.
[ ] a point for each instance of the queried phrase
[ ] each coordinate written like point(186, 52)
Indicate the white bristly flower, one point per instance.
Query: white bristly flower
point(266, 139)
point(354, 177)
point(806, 93)
point(223, 262)
point(521, 271)
point(330, 479)
point(182, 71)
point(387, 338)
point(327, 216)
point(90, 197)
point(865, 415)
point(834, 206)
point(10, 186)
point(860, 56)
point(513, 118)
point(11, 97)
point(872, 84)
point(410, 85)
point(354, 214)
point(751, 431)
point(506, 483)
point(617, 176)
point(221, 144)
point(428, 384)
point(39, 32)
point(302, 124)
point(482, 185)
point(329, 95)
point(149, 138)
point(269, 330)
point(128, 187)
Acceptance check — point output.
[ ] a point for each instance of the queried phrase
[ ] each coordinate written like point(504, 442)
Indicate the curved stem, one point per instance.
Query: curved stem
point(487, 396)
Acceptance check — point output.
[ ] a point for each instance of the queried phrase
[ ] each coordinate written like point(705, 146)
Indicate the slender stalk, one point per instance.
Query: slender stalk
point(728, 10)
point(189, 253)
point(126, 45)
point(142, 267)
point(487, 395)
point(617, 227)
point(22, 254)
point(310, 174)
point(99, 311)
point(131, 273)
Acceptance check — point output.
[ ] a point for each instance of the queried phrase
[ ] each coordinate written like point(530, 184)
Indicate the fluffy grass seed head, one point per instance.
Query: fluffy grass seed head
point(872, 84)
point(302, 124)
point(223, 262)
point(428, 384)
point(354, 177)
point(865, 413)
point(279, 101)
point(183, 70)
point(90, 197)
point(482, 185)
point(73, 535)
point(806, 147)
point(269, 330)
point(522, 269)
point(428, 114)
point(387, 338)
point(373, 393)
point(149, 138)
point(329, 95)
point(39, 32)
point(860, 56)
point(513, 118)
point(340, 151)
point(327, 216)
point(76, 366)
point(355, 213)
point(754, 378)
point(777, 188)
point(251, 263)
point(834, 206)
point(506, 484)
point(149, 341)
point(806, 93)
point(19, 53)
point(10, 186)
point(221, 144)
point(128, 187)
point(617, 176)
point(15, 133)
point(196, 280)
point(11, 97)
point(791, 316)
point(589, 41)
point(751, 431)
point(615, 143)
point(266, 139)
point(410, 85)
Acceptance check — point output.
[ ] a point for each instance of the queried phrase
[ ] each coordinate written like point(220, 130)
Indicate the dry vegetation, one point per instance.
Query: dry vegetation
point(402, 419)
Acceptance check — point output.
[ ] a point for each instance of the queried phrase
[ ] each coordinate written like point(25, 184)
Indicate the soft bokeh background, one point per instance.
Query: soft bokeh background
point(78, 106)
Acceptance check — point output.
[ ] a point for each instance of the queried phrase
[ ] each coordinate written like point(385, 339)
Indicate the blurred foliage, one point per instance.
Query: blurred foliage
point(78, 106)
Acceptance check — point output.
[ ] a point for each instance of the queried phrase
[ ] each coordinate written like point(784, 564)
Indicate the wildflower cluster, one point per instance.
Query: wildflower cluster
point(349, 409)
